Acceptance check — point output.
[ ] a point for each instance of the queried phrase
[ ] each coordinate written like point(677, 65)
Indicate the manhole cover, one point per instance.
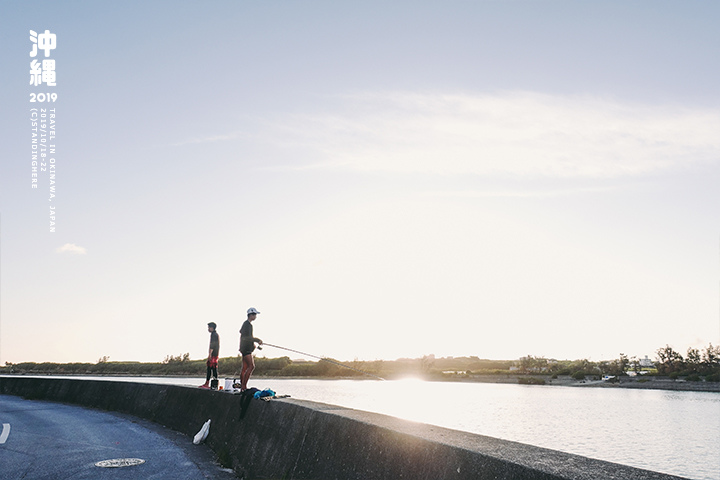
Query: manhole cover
point(120, 462)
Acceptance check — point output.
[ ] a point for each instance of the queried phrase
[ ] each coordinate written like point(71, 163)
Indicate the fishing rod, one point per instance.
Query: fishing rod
point(323, 359)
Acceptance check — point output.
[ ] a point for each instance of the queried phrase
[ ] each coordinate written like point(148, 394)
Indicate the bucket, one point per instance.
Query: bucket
point(229, 384)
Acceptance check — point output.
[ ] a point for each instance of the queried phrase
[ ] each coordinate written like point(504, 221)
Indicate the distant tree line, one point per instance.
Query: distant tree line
point(695, 365)
point(182, 365)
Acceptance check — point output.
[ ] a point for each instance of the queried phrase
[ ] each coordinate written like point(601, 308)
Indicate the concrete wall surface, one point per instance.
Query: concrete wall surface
point(296, 439)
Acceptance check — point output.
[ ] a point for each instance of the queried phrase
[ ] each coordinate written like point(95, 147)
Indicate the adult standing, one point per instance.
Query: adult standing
point(247, 347)
point(213, 354)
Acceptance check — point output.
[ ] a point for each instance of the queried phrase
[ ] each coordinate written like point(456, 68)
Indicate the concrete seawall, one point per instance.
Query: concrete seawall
point(295, 439)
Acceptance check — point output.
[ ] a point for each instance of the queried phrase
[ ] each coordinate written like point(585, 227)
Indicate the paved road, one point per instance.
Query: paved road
point(44, 440)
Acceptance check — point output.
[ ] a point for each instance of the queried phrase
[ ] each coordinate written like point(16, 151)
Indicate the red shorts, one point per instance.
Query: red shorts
point(212, 362)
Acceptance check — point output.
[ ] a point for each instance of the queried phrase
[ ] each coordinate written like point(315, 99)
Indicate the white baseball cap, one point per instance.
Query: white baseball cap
point(252, 310)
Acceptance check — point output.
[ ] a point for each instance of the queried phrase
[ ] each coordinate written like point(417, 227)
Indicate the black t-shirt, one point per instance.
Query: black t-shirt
point(215, 344)
point(247, 343)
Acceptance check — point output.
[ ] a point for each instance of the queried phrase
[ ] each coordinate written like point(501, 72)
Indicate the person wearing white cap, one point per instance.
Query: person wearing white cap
point(247, 346)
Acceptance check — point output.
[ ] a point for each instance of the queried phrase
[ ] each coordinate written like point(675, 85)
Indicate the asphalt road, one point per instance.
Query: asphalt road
point(45, 440)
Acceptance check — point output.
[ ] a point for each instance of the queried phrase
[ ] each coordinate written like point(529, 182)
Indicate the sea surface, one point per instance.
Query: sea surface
point(665, 431)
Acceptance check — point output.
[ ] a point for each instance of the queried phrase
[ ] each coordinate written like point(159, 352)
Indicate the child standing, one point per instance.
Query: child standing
point(213, 353)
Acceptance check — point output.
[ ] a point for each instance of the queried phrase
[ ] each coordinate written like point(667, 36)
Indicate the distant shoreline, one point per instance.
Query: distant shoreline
point(642, 383)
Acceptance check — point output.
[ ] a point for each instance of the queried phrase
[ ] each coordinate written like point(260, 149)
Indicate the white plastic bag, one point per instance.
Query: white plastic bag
point(202, 434)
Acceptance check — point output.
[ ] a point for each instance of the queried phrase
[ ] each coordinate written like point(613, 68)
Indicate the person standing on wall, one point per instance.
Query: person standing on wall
point(213, 354)
point(247, 346)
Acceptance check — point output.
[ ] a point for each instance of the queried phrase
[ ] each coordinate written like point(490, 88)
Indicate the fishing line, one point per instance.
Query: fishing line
point(323, 359)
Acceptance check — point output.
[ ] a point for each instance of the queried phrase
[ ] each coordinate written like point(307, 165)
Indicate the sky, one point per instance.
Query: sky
point(380, 180)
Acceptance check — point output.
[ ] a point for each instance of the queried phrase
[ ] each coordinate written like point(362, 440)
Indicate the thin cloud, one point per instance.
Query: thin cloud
point(71, 249)
point(519, 134)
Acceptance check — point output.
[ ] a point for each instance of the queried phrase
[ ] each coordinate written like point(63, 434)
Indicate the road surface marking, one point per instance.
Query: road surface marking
point(5, 433)
point(120, 462)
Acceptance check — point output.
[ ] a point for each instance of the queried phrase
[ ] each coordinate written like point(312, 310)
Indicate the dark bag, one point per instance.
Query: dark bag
point(245, 399)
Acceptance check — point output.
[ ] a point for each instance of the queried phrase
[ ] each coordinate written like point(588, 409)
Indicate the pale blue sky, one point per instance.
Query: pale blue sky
point(494, 178)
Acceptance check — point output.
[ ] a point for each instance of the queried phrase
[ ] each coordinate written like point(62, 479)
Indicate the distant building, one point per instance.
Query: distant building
point(646, 362)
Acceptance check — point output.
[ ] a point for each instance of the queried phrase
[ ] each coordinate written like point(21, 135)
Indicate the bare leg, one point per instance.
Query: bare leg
point(247, 369)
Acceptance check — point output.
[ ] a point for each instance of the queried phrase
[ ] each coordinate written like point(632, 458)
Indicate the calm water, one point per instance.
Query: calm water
point(664, 431)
